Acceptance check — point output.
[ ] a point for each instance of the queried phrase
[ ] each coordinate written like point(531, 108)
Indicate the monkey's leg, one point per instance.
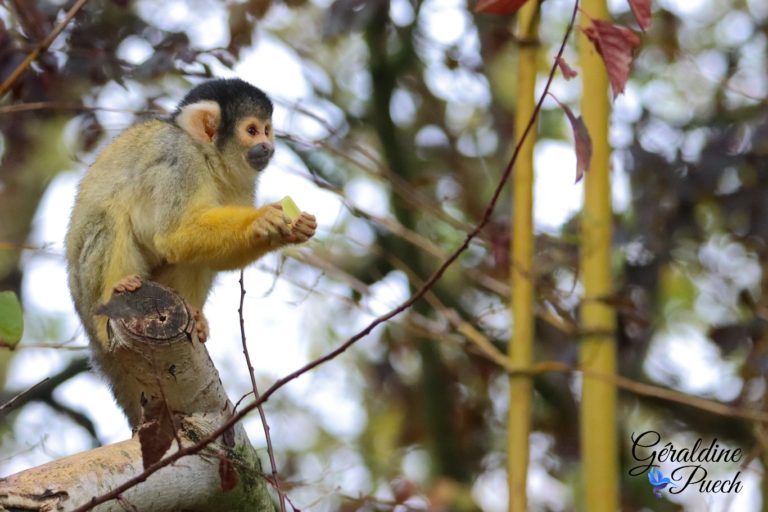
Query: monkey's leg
point(124, 265)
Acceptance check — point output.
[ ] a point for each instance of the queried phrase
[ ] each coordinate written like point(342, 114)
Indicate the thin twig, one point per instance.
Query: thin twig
point(404, 190)
point(21, 68)
point(270, 451)
point(638, 388)
point(10, 404)
point(45, 388)
point(55, 346)
point(78, 107)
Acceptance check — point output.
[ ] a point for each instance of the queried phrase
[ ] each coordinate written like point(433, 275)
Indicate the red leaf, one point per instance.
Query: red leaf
point(498, 6)
point(642, 11)
point(228, 475)
point(616, 45)
point(581, 139)
point(567, 71)
point(499, 232)
point(156, 432)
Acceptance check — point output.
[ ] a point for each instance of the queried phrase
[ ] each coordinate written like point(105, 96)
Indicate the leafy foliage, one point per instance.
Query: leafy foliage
point(11, 319)
point(581, 138)
point(642, 12)
point(615, 44)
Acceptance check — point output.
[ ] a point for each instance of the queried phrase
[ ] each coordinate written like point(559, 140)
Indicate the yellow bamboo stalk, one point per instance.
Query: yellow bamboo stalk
point(521, 271)
point(598, 348)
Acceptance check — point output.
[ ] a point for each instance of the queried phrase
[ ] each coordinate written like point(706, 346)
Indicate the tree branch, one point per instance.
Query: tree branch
point(21, 68)
point(254, 387)
point(182, 399)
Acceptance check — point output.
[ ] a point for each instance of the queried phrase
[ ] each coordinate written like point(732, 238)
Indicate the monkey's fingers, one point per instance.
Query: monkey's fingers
point(303, 228)
point(306, 223)
point(307, 217)
point(128, 284)
point(272, 226)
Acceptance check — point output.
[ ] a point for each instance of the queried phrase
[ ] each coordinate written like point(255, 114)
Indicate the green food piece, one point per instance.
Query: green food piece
point(11, 319)
point(289, 208)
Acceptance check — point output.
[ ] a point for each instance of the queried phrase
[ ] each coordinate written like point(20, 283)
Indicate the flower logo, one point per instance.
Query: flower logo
point(658, 481)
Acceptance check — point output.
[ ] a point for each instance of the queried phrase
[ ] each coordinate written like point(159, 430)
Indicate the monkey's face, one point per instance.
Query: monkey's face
point(233, 117)
point(254, 135)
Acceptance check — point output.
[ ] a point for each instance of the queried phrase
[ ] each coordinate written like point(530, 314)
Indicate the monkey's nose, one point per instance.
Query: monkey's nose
point(259, 155)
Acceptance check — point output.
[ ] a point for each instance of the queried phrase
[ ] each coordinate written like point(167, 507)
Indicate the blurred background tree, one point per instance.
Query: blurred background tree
point(396, 118)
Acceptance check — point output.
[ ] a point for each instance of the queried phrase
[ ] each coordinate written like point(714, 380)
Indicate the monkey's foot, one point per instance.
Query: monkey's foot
point(302, 228)
point(201, 325)
point(127, 284)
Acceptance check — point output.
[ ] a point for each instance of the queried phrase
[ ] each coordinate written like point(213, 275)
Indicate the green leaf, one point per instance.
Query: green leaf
point(11, 319)
point(290, 209)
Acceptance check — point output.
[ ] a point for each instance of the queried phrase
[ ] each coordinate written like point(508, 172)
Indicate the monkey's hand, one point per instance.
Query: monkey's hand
point(271, 227)
point(302, 228)
point(274, 228)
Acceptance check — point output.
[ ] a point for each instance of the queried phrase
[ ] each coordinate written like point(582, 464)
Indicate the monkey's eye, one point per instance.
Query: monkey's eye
point(252, 130)
point(267, 129)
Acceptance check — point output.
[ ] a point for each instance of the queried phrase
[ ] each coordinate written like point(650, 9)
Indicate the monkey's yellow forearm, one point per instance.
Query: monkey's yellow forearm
point(223, 238)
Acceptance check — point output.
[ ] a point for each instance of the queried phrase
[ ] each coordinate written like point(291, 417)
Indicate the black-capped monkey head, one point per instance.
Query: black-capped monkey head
point(233, 116)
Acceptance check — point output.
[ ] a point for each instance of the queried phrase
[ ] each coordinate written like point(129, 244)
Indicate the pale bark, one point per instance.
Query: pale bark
point(183, 402)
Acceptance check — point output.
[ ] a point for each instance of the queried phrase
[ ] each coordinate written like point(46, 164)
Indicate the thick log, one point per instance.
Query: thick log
point(152, 333)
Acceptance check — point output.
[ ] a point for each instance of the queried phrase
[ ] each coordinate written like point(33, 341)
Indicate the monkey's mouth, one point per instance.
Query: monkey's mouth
point(259, 155)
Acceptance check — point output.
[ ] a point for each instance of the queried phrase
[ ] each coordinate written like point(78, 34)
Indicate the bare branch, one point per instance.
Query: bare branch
point(21, 68)
point(268, 437)
point(44, 389)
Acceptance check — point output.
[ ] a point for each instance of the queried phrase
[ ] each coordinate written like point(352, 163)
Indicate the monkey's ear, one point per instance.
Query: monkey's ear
point(201, 120)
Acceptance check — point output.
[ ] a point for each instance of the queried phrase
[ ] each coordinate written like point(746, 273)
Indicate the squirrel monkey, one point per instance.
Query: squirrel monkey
point(172, 201)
